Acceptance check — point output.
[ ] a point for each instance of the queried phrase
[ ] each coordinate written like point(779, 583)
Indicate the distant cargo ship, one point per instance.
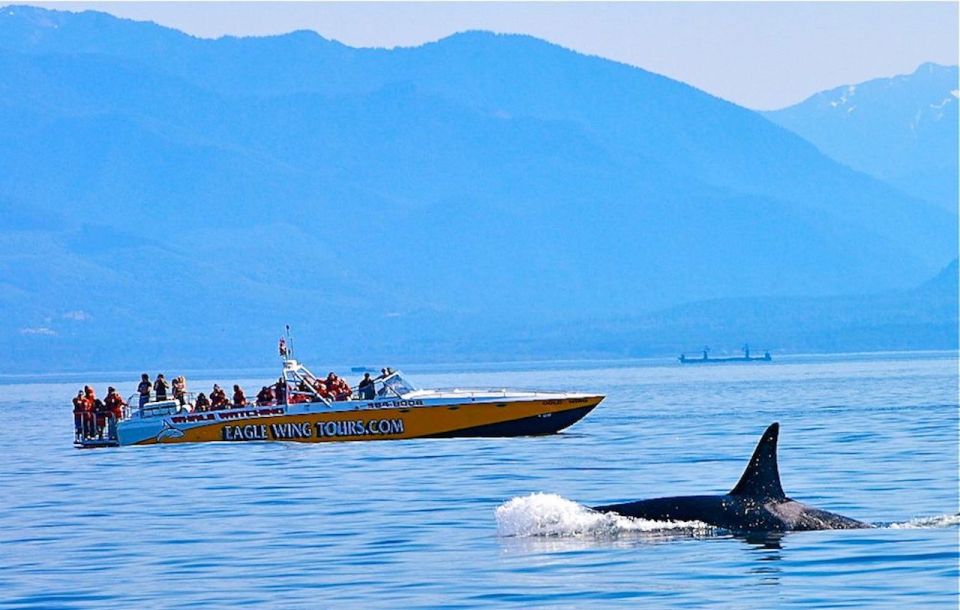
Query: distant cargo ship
point(706, 359)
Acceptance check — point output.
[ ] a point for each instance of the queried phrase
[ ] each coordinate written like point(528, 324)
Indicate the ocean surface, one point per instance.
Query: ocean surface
point(493, 523)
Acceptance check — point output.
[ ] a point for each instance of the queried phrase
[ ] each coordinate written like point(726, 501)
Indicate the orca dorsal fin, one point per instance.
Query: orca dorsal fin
point(761, 479)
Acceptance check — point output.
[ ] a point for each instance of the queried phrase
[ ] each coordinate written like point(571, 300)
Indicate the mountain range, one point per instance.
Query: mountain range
point(166, 198)
point(901, 129)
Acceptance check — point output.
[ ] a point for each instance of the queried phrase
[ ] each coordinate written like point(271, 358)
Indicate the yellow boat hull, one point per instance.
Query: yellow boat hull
point(468, 419)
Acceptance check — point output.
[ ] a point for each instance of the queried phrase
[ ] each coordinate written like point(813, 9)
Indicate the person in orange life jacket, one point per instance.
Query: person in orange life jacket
point(337, 387)
point(343, 389)
point(331, 383)
point(78, 415)
point(264, 397)
point(144, 389)
point(89, 412)
point(239, 398)
point(321, 388)
point(160, 387)
point(115, 403)
point(218, 398)
point(202, 404)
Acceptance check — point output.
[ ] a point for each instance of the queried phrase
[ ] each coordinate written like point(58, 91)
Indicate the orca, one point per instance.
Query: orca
point(756, 504)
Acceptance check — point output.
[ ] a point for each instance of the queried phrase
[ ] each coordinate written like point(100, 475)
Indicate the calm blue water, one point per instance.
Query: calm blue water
point(414, 524)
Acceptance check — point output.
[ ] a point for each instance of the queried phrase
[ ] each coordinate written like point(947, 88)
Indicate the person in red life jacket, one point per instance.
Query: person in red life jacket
point(78, 415)
point(321, 388)
point(218, 398)
point(331, 383)
point(239, 398)
point(343, 389)
point(89, 412)
point(202, 404)
point(114, 404)
point(264, 397)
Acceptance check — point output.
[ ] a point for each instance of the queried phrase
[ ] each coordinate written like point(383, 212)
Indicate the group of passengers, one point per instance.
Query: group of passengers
point(92, 416)
point(217, 401)
point(333, 387)
point(161, 387)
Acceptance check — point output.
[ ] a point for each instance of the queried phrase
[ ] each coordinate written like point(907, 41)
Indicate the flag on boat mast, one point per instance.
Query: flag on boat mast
point(285, 346)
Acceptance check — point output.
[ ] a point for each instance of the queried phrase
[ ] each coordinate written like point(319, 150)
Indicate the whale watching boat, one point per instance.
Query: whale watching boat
point(389, 408)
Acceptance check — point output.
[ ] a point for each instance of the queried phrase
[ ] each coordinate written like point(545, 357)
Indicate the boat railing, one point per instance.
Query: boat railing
point(154, 405)
point(90, 427)
point(473, 391)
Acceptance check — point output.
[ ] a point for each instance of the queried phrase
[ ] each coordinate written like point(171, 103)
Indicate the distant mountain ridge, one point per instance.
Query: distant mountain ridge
point(199, 194)
point(902, 129)
point(923, 317)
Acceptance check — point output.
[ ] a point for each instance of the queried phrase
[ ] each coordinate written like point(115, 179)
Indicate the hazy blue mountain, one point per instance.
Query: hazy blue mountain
point(924, 317)
point(170, 199)
point(902, 129)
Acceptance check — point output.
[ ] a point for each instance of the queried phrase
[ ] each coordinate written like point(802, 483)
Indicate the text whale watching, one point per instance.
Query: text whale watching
point(303, 407)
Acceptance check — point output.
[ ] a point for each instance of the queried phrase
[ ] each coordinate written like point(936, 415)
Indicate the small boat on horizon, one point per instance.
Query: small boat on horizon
point(706, 359)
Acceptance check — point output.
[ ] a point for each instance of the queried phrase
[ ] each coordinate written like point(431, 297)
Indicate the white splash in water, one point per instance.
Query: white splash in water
point(550, 515)
point(927, 522)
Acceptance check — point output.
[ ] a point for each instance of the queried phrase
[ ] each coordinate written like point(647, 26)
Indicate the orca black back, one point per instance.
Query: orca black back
point(757, 502)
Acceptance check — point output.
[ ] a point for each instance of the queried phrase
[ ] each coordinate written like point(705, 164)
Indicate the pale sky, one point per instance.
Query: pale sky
point(762, 55)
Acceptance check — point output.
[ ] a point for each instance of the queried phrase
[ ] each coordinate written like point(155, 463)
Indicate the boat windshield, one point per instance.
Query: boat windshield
point(396, 384)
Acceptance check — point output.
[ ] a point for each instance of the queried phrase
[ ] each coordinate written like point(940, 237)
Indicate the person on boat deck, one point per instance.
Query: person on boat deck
point(365, 387)
point(144, 389)
point(239, 398)
point(78, 415)
point(331, 383)
point(321, 389)
point(180, 390)
point(202, 404)
point(100, 408)
point(160, 387)
point(343, 391)
point(89, 410)
point(302, 394)
point(114, 403)
point(281, 391)
point(218, 398)
point(264, 397)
